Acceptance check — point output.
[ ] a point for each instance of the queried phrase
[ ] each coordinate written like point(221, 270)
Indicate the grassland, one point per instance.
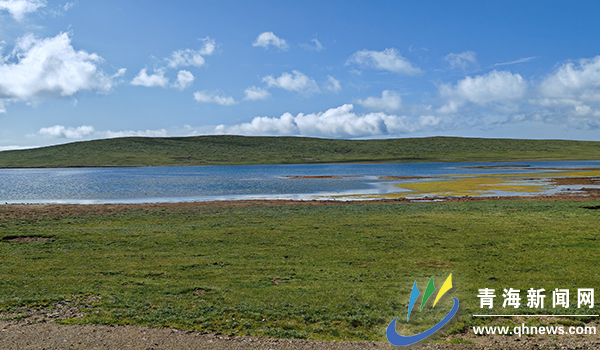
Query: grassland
point(223, 150)
point(338, 271)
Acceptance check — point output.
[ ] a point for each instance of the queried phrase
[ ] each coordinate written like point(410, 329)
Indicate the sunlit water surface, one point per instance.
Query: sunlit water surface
point(209, 183)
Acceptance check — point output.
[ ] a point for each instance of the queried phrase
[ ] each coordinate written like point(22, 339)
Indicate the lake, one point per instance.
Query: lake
point(210, 183)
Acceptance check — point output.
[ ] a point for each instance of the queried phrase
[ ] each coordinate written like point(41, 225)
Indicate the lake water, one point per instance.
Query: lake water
point(208, 183)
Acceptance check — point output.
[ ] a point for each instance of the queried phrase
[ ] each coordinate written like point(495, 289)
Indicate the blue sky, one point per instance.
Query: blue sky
point(83, 70)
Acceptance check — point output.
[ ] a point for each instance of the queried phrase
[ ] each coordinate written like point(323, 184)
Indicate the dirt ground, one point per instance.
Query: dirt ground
point(40, 211)
point(24, 335)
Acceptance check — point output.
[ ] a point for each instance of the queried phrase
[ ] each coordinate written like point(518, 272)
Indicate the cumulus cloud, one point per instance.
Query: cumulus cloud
point(50, 67)
point(332, 84)
point(316, 46)
point(16, 147)
point(571, 94)
point(184, 79)
point(19, 8)
point(87, 132)
point(388, 59)
point(126, 133)
point(59, 131)
point(156, 79)
point(567, 96)
point(213, 97)
point(463, 60)
point(389, 101)
point(209, 46)
point(335, 122)
point(296, 81)
point(495, 87)
point(574, 83)
point(267, 39)
point(254, 93)
point(189, 57)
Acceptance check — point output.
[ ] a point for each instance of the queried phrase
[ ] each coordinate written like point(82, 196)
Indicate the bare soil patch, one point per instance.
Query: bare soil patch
point(435, 264)
point(403, 177)
point(497, 166)
point(319, 176)
point(23, 335)
point(26, 239)
point(44, 211)
point(575, 181)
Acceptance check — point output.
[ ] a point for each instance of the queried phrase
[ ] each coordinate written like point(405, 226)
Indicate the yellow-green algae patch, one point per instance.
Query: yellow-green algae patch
point(470, 186)
point(483, 185)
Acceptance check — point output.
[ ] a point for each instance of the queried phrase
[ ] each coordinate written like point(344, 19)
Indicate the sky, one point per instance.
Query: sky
point(81, 70)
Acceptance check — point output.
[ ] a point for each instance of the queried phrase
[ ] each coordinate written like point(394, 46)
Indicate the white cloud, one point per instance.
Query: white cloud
point(388, 59)
point(60, 10)
point(51, 67)
point(68, 6)
point(255, 93)
point(335, 122)
point(59, 131)
point(267, 39)
point(573, 84)
point(390, 101)
point(504, 88)
point(88, 132)
point(297, 82)
point(571, 94)
point(332, 84)
point(184, 79)
point(156, 79)
point(189, 57)
point(119, 73)
point(185, 58)
point(16, 147)
point(212, 97)
point(209, 46)
point(520, 60)
point(316, 47)
point(141, 133)
point(19, 8)
point(463, 60)
point(285, 125)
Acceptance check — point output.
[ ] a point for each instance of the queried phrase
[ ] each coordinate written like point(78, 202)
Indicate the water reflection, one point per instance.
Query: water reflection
point(177, 184)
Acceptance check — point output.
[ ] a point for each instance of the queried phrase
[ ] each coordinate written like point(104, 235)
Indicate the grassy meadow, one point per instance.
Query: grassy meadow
point(337, 271)
point(226, 150)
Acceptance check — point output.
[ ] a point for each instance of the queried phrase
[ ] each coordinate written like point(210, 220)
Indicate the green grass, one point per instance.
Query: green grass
point(344, 271)
point(222, 150)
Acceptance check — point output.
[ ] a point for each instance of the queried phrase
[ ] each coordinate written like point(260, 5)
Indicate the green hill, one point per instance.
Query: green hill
point(225, 150)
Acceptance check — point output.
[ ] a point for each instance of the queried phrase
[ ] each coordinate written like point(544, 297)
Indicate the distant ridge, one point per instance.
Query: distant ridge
point(229, 150)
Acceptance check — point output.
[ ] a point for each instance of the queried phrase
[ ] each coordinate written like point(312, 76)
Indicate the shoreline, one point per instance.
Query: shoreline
point(391, 161)
point(575, 197)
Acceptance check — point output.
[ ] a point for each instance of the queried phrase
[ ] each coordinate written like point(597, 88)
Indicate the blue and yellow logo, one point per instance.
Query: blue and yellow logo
point(396, 339)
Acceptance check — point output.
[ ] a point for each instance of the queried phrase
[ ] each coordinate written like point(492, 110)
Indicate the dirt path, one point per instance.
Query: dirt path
point(53, 336)
point(19, 335)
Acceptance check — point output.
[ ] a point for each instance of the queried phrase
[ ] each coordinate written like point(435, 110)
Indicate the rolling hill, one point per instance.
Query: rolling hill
point(228, 150)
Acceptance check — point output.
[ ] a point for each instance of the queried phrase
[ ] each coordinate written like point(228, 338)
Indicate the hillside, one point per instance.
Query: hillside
point(225, 150)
